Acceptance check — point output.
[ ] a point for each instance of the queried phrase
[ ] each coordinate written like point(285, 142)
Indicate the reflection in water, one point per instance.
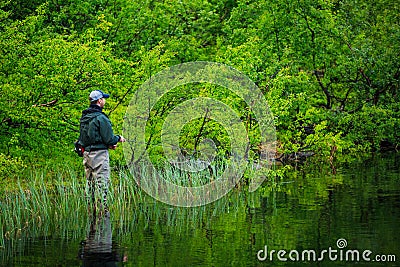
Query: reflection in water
point(309, 210)
point(97, 249)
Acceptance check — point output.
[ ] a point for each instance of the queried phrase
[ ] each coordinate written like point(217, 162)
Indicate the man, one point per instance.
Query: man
point(96, 136)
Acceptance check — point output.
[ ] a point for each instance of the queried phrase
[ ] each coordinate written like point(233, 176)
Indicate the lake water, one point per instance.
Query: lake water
point(317, 217)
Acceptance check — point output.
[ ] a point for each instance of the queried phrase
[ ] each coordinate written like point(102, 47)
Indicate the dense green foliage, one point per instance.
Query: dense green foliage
point(329, 69)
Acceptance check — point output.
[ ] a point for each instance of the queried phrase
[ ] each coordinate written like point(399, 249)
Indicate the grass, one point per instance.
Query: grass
point(53, 203)
point(40, 205)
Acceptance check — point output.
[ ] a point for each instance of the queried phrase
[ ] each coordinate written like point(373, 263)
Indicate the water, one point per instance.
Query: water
point(355, 207)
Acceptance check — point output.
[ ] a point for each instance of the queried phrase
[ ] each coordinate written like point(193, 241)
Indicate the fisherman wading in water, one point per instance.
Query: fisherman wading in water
point(96, 136)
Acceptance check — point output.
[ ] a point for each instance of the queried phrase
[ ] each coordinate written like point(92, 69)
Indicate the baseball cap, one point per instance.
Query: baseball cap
point(96, 95)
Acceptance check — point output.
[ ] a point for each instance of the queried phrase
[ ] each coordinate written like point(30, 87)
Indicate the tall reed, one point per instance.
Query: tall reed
point(56, 206)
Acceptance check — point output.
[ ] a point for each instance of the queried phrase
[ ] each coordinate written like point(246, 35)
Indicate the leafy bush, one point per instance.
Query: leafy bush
point(10, 167)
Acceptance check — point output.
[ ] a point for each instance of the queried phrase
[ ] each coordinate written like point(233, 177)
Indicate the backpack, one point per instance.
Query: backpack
point(79, 149)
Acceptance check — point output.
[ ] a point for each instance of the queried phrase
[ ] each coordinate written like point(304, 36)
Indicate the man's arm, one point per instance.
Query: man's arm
point(106, 132)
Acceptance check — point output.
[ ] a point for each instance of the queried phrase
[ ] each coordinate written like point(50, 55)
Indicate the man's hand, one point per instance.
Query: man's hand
point(121, 139)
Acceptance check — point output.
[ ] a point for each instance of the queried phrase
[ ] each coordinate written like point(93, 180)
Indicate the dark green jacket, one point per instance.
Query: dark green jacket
point(96, 130)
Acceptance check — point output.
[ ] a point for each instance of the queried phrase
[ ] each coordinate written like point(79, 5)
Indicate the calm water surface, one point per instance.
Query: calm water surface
point(357, 207)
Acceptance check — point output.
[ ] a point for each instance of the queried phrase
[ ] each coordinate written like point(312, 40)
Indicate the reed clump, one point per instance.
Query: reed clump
point(42, 206)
